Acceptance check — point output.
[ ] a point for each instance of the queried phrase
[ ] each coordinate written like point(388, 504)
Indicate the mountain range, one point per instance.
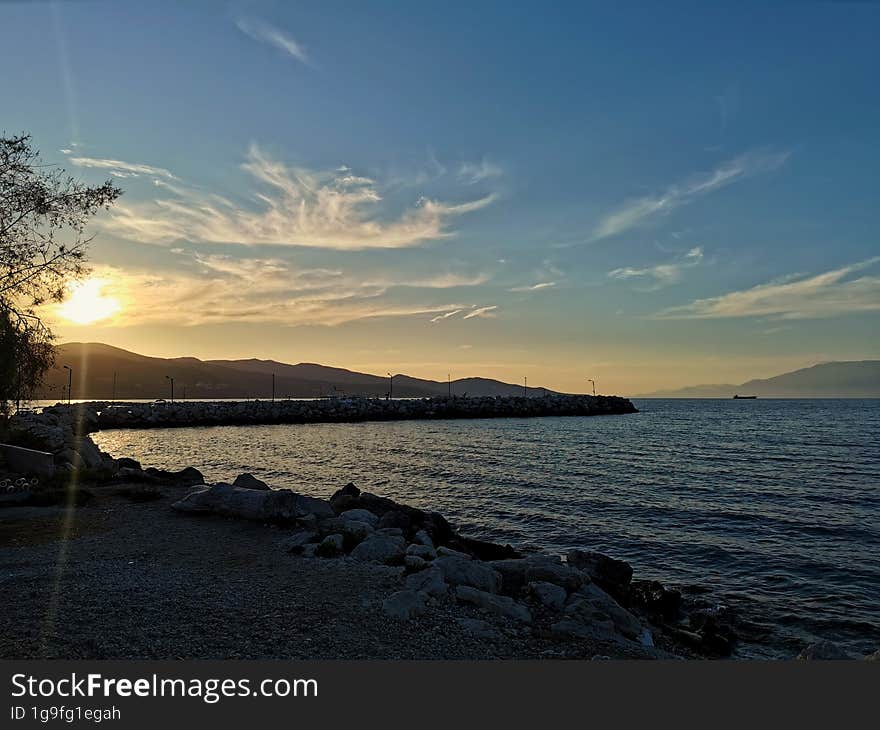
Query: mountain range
point(852, 379)
point(95, 366)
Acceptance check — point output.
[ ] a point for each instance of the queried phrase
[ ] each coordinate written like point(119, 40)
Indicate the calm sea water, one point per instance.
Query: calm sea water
point(772, 505)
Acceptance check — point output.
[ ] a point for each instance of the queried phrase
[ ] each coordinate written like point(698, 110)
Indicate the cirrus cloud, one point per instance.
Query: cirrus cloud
point(293, 207)
point(641, 210)
point(830, 294)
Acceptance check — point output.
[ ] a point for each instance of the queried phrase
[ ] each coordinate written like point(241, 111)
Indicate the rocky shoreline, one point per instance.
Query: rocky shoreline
point(586, 595)
point(581, 599)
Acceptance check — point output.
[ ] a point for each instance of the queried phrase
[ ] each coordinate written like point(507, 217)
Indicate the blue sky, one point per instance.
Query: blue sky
point(649, 194)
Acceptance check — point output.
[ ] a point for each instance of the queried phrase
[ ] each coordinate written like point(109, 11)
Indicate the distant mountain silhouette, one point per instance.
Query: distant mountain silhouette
point(853, 379)
point(139, 377)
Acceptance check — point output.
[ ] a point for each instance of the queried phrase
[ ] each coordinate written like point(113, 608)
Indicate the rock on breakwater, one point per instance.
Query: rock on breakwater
point(333, 410)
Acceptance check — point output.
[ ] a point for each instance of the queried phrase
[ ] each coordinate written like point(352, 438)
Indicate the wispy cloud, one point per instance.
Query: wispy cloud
point(831, 294)
point(641, 210)
point(445, 315)
point(534, 287)
point(119, 168)
point(264, 33)
point(215, 289)
point(661, 275)
point(295, 207)
point(482, 312)
point(474, 172)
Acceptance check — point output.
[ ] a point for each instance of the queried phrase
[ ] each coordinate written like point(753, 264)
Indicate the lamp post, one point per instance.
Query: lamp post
point(390, 386)
point(525, 387)
point(273, 387)
point(590, 380)
point(449, 381)
point(114, 386)
point(168, 377)
point(69, 381)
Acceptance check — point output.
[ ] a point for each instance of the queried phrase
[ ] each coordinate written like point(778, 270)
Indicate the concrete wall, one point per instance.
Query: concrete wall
point(27, 461)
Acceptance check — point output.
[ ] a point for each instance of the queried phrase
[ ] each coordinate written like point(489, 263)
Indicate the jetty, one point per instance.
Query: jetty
point(63, 430)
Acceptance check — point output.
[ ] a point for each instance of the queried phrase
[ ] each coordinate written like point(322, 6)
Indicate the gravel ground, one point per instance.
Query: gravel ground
point(119, 580)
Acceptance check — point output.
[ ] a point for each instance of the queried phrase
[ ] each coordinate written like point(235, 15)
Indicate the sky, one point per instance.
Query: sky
point(650, 195)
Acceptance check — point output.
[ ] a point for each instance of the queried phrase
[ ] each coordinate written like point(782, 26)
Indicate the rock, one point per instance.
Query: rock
point(517, 572)
point(430, 582)
point(249, 481)
point(414, 562)
point(592, 606)
point(274, 505)
point(306, 505)
point(126, 463)
point(422, 551)
point(342, 497)
point(330, 546)
point(404, 604)
point(354, 530)
point(449, 552)
point(512, 572)
point(552, 572)
point(350, 497)
point(612, 575)
point(872, 657)
point(395, 518)
point(309, 550)
point(481, 549)
point(501, 605)
point(378, 548)
point(361, 515)
point(423, 538)
point(190, 476)
point(823, 650)
point(549, 594)
point(295, 543)
point(656, 599)
point(459, 571)
point(478, 627)
point(89, 453)
point(128, 474)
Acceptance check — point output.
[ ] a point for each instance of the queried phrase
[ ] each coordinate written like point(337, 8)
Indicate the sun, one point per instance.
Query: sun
point(87, 304)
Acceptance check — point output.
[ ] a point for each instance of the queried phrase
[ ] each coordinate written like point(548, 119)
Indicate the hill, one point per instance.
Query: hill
point(95, 366)
point(852, 379)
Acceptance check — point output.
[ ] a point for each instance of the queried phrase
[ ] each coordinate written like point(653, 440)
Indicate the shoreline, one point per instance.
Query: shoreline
point(127, 562)
point(584, 606)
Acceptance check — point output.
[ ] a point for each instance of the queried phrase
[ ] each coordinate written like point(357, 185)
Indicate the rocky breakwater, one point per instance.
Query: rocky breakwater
point(580, 596)
point(333, 410)
point(63, 430)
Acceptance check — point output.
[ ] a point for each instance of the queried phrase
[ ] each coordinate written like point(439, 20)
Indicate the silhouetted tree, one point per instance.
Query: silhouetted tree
point(43, 217)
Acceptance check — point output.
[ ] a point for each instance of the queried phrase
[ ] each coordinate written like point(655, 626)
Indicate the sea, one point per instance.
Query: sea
point(770, 507)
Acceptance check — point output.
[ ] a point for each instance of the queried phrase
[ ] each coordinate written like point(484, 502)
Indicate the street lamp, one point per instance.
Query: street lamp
point(525, 387)
point(168, 377)
point(590, 380)
point(273, 387)
point(390, 386)
point(449, 381)
point(69, 381)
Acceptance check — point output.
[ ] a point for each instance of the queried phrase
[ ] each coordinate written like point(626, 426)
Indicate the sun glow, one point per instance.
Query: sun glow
point(87, 304)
